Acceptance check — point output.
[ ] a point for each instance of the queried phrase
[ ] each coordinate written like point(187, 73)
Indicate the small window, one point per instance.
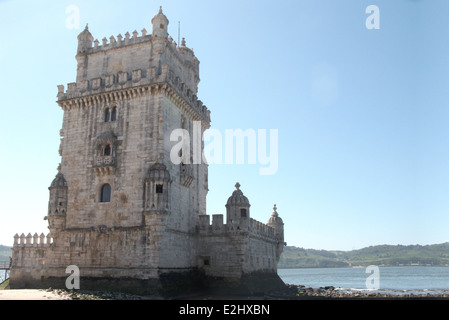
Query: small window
point(105, 195)
point(159, 188)
point(107, 115)
point(107, 150)
point(114, 114)
point(243, 213)
point(161, 26)
point(206, 262)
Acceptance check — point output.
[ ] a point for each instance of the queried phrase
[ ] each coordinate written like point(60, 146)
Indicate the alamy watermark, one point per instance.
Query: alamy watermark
point(73, 280)
point(373, 280)
point(73, 19)
point(373, 20)
point(236, 146)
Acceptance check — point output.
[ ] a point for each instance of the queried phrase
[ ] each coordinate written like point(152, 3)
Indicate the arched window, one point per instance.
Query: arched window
point(107, 115)
point(114, 114)
point(107, 150)
point(105, 193)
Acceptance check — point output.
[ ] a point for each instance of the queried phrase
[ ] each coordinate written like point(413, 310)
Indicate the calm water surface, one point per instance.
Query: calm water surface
point(407, 279)
point(393, 280)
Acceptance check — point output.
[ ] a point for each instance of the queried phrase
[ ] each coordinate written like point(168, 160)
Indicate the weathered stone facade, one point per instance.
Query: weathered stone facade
point(119, 208)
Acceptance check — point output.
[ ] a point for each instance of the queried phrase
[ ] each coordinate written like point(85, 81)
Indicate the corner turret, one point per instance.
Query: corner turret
point(237, 207)
point(85, 40)
point(160, 25)
point(157, 189)
point(278, 225)
point(57, 204)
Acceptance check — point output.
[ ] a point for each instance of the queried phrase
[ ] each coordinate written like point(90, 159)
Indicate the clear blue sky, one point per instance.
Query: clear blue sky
point(361, 114)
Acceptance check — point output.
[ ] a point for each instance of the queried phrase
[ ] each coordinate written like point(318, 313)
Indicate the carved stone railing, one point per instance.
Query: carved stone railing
point(32, 241)
point(103, 161)
point(104, 165)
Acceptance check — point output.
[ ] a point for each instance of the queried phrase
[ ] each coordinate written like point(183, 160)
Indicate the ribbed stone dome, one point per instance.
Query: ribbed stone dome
point(237, 196)
point(59, 181)
point(158, 171)
point(275, 219)
point(85, 33)
point(160, 16)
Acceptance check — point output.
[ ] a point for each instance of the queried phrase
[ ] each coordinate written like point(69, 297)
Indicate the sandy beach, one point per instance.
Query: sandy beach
point(31, 294)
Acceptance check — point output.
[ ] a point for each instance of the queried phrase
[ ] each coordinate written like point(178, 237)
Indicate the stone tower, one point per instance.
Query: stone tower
point(120, 208)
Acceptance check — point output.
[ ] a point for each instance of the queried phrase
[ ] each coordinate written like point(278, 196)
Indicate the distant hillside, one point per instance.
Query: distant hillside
point(5, 253)
point(436, 255)
point(294, 257)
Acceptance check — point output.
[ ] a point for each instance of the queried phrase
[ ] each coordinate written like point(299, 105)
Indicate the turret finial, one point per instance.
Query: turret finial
point(275, 213)
point(237, 186)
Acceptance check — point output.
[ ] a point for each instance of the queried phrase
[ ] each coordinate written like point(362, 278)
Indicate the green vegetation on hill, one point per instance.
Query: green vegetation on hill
point(389, 255)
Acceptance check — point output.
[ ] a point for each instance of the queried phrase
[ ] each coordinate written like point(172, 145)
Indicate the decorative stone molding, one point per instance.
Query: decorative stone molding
point(119, 87)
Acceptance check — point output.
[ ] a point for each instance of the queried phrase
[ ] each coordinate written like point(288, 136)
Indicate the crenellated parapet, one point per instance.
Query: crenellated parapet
point(125, 85)
point(261, 229)
point(119, 41)
point(181, 52)
point(32, 241)
point(216, 227)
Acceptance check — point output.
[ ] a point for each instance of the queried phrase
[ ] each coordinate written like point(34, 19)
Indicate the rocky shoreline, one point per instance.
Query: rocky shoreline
point(298, 292)
point(291, 292)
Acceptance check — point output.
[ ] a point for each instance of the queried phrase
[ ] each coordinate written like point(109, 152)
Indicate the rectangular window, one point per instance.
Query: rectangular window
point(159, 188)
point(243, 213)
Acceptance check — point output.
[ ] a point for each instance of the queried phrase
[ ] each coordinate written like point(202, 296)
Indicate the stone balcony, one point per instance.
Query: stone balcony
point(104, 165)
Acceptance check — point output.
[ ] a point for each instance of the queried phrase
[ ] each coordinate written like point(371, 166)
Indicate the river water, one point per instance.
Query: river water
point(392, 280)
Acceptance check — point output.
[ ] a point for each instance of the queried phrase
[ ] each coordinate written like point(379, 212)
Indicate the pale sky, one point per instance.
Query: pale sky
point(361, 114)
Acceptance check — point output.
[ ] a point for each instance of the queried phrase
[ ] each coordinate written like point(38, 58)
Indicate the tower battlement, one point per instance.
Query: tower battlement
point(254, 227)
point(131, 53)
point(181, 51)
point(32, 241)
point(114, 87)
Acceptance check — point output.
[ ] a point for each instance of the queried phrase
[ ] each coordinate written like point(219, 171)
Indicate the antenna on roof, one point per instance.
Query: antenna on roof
point(179, 32)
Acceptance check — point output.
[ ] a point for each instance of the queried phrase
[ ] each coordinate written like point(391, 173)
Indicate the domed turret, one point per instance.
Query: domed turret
point(159, 171)
point(157, 189)
point(57, 204)
point(85, 40)
point(58, 181)
point(237, 206)
point(277, 224)
point(275, 219)
point(237, 197)
point(160, 25)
